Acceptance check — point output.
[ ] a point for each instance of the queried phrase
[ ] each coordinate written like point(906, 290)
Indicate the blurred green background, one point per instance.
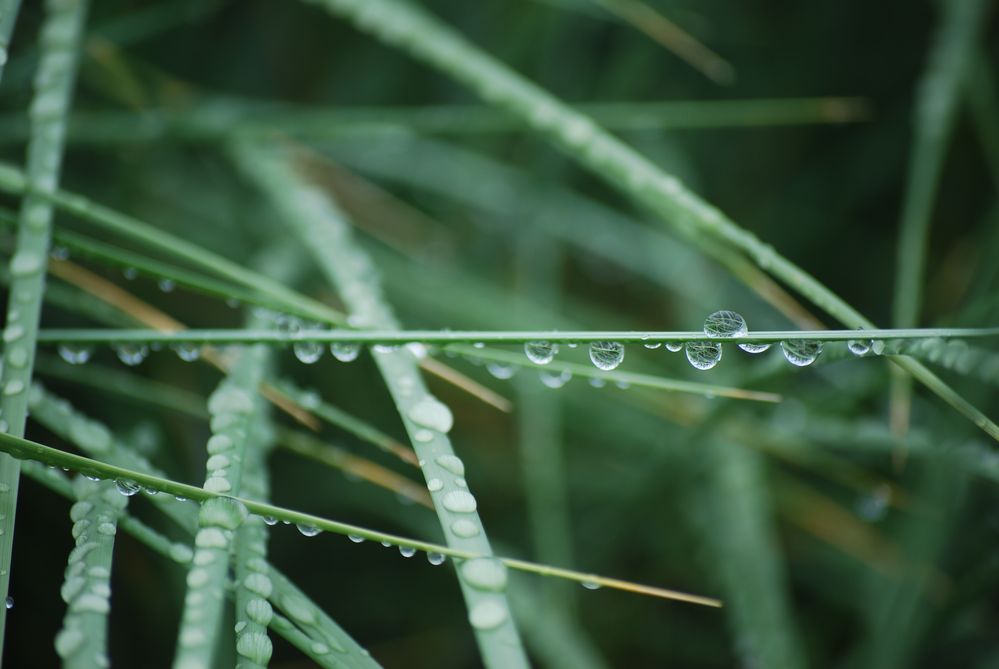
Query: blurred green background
point(830, 550)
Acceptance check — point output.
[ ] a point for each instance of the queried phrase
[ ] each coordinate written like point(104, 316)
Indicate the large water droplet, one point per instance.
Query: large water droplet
point(703, 354)
point(126, 487)
point(860, 346)
point(345, 351)
point(488, 614)
point(606, 355)
point(540, 352)
point(485, 574)
point(407, 551)
point(459, 501)
point(801, 352)
point(429, 412)
point(725, 324)
point(435, 558)
point(308, 530)
point(74, 354)
point(131, 354)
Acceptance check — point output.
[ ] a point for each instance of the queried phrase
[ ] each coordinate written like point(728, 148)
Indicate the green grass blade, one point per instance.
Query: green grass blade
point(322, 229)
point(408, 27)
point(233, 407)
point(736, 520)
point(52, 99)
point(8, 17)
point(82, 641)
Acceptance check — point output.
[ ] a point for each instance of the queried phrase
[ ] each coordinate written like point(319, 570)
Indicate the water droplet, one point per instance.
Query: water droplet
point(255, 646)
point(860, 347)
point(423, 436)
point(130, 273)
point(433, 485)
point(9, 603)
point(873, 507)
point(131, 354)
point(878, 346)
point(407, 551)
point(801, 352)
point(606, 355)
point(355, 538)
point(703, 354)
point(596, 383)
point(464, 528)
point(649, 344)
point(75, 355)
point(555, 380)
point(308, 530)
point(488, 614)
point(24, 263)
point(345, 351)
point(187, 352)
point(126, 487)
point(485, 574)
point(452, 463)
point(270, 520)
point(501, 370)
point(166, 285)
point(459, 501)
point(755, 348)
point(725, 324)
point(435, 558)
point(591, 585)
point(13, 387)
point(540, 352)
point(59, 253)
point(674, 346)
point(308, 352)
point(431, 413)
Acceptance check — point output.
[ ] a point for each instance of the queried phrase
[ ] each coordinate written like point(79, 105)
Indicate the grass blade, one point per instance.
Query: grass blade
point(322, 228)
point(82, 642)
point(8, 17)
point(54, 81)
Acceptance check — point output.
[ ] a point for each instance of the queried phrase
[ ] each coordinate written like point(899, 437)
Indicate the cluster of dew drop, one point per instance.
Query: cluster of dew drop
point(701, 354)
point(87, 585)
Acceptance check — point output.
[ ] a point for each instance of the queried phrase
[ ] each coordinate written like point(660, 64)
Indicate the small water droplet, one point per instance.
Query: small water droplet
point(433, 485)
point(74, 354)
point(355, 538)
point(452, 463)
point(59, 253)
point(9, 603)
point(126, 487)
point(874, 506)
point(725, 324)
point(131, 354)
point(485, 574)
point(435, 558)
point(308, 530)
point(166, 285)
point(591, 585)
point(345, 351)
point(501, 370)
point(673, 346)
point(431, 413)
point(488, 614)
point(878, 346)
point(270, 520)
point(187, 352)
point(860, 346)
point(407, 551)
point(423, 436)
point(555, 380)
point(703, 354)
point(464, 528)
point(649, 344)
point(308, 352)
point(801, 352)
point(24, 263)
point(606, 355)
point(540, 352)
point(755, 348)
point(596, 383)
point(130, 273)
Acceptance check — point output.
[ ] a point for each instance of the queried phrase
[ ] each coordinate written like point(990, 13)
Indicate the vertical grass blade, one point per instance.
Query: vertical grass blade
point(82, 641)
point(8, 17)
point(736, 519)
point(232, 407)
point(323, 230)
point(60, 40)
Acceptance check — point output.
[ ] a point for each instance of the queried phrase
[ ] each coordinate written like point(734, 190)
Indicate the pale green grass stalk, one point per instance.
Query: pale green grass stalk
point(227, 119)
point(954, 355)
point(54, 81)
point(326, 234)
point(233, 407)
point(413, 30)
point(735, 513)
point(30, 450)
point(950, 62)
point(95, 439)
point(82, 641)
